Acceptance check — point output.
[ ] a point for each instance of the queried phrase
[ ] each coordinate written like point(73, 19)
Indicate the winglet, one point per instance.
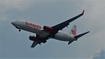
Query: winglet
point(83, 12)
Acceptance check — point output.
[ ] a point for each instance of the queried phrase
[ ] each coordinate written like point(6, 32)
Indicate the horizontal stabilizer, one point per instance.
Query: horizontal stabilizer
point(34, 44)
point(70, 42)
point(80, 35)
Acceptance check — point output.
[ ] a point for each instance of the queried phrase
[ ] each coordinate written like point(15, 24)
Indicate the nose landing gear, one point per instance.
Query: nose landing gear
point(19, 30)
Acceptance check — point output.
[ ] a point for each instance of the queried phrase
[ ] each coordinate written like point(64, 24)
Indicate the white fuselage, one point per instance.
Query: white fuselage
point(63, 37)
point(34, 28)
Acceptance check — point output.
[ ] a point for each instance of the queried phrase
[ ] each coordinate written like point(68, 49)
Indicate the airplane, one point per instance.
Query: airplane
point(46, 32)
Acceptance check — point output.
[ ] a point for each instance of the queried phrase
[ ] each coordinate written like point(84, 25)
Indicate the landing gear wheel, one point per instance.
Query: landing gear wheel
point(44, 41)
point(19, 30)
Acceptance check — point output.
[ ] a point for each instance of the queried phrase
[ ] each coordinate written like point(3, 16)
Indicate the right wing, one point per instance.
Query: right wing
point(66, 23)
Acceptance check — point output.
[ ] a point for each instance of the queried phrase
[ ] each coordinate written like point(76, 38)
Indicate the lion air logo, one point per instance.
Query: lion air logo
point(33, 25)
point(73, 32)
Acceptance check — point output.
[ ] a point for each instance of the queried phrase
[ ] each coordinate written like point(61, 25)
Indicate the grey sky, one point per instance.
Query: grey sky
point(14, 44)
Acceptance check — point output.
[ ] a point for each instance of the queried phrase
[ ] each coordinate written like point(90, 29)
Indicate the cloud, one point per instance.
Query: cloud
point(95, 21)
point(100, 55)
point(17, 4)
point(9, 5)
point(94, 12)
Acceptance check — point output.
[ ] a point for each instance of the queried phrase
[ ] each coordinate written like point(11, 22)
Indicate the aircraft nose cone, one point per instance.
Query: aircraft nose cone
point(13, 23)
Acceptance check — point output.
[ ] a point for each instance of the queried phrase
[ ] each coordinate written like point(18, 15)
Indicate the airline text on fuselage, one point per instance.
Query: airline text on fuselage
point(33, 25)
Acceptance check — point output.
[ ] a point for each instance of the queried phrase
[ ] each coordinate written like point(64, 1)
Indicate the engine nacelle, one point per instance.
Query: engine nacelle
point(48, 28)
point(33, 38)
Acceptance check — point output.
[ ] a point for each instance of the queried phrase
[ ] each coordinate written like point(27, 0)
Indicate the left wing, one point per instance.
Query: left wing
point(38, 40)
point(66, 23)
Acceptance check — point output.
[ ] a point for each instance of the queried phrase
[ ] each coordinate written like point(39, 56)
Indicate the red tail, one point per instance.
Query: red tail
point(73, 30)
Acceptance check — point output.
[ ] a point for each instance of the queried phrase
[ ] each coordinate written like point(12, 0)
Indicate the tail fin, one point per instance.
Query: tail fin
point(73, 33)
point(73, 30)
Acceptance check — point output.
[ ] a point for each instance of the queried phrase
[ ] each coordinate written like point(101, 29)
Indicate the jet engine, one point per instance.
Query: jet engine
point(33, 38)
point(48, 28)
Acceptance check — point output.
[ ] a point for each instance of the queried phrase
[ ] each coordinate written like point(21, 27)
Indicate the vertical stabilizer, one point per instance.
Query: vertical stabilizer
point(73, 30)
